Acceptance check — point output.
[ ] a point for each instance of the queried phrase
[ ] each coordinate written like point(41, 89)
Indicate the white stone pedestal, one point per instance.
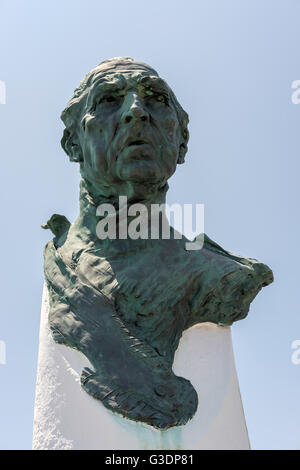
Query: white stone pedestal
point(66, 417)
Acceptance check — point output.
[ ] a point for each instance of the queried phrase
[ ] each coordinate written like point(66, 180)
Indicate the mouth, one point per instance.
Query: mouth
point(136, 148)
point(137, 142)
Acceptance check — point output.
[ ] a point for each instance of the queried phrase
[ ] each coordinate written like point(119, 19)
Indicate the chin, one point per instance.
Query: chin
point(141, 171)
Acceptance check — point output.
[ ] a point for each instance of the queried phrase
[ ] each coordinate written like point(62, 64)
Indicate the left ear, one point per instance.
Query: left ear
point(181, 153)
point(70, 144)
point(183, 144)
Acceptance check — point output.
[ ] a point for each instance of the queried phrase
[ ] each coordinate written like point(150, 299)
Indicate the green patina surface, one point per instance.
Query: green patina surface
point(125, 303)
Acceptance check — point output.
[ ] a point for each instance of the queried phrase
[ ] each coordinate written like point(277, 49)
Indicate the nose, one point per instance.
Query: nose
point(134, 109)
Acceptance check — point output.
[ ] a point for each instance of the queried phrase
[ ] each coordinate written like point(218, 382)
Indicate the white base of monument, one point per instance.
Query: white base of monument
point(66, 417)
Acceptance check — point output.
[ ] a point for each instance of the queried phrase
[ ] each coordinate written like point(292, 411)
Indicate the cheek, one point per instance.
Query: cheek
point(94, 146)
point(171, 134)
point(95, 128)
point(170, 127)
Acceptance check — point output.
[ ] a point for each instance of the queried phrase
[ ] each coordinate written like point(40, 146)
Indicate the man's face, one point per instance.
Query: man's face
point(130, 131)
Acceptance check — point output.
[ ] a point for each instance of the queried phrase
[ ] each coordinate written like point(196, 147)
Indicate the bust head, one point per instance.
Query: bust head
point(126, 128)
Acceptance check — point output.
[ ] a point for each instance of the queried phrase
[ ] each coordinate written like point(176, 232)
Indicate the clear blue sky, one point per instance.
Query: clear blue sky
point(231, 64)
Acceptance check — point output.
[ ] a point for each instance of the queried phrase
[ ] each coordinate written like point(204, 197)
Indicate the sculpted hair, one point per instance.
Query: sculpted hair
point(74, 110)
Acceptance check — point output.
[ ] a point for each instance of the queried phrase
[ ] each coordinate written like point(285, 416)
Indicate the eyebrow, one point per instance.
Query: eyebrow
point(156, 83)
point(103, 86)
point(100, 87)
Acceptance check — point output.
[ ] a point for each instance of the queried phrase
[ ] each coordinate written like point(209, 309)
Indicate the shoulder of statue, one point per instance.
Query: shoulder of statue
point(225, 285)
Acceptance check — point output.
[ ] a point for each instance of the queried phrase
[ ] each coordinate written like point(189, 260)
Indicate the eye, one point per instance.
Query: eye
point(161, 98)
point(110, 99)
point(107, 99)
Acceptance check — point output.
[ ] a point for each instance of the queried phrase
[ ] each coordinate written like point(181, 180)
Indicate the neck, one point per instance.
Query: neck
point(93, 215)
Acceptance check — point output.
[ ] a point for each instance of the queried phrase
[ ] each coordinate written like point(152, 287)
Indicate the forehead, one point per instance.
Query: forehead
point(126, 78)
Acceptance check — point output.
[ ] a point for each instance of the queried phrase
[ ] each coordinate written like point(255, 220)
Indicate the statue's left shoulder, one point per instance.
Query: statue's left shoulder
point(225, 285)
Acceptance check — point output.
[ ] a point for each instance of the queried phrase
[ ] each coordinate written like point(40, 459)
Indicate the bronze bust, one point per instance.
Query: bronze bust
point(124, 303)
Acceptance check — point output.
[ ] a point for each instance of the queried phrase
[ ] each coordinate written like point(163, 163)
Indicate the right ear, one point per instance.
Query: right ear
point(70, 144)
